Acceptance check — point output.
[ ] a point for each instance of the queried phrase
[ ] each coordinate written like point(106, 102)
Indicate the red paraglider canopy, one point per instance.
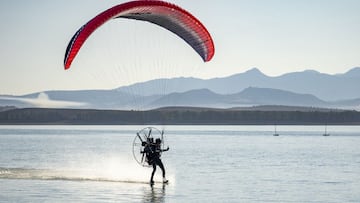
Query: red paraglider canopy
point(164, 14)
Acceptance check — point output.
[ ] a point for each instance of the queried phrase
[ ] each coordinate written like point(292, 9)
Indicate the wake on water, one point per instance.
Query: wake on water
point(109, 168)
point(47, 174)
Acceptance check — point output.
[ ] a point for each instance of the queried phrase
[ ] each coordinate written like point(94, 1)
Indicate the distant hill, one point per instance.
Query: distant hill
point(194, 98)
point(273, 108)
point(251, 88)
point(249, 97)
point(312, 82)
point(114, 99)
point(268, 96)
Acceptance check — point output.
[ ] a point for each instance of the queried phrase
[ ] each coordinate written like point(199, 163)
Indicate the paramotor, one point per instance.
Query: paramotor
point(142, 139)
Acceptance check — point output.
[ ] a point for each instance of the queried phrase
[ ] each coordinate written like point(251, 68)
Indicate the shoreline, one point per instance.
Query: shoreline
point(186, 116)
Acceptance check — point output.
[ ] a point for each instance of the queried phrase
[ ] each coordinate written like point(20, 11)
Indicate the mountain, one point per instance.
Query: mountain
point(249, 97)
point(244, 89)
point(113, 99)
point(227, 85)
point(164, 86)
point(324, 86)
point(268, 96)
point(353, 103)
point(355, 72)
point(194, 98)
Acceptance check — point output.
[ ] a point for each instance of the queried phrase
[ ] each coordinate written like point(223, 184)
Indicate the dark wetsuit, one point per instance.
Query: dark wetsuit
point(156, 161)
point(153, 158)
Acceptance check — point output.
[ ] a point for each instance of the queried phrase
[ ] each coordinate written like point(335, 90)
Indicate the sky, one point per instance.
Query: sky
point(276, 36)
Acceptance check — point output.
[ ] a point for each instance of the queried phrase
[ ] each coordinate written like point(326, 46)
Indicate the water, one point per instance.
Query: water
point(204, 164)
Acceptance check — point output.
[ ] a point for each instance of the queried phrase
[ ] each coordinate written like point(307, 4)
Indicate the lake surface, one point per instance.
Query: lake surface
point(204, 164)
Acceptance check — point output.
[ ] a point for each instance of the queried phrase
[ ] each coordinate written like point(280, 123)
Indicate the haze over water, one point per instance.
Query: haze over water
point(204, 164)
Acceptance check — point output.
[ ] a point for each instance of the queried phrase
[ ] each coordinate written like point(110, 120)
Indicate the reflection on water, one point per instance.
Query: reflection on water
point(155, 193)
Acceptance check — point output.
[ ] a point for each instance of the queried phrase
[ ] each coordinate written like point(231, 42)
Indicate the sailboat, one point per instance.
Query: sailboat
point(275, 133)
point(326, 133)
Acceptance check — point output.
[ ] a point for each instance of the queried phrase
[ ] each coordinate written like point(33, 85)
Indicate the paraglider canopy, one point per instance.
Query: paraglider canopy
point(167, 15)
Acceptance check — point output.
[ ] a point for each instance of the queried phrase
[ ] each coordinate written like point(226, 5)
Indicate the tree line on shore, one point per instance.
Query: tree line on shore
point(177, 117)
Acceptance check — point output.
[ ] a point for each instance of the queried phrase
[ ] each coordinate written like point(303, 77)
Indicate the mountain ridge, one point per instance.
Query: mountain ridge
point(253, 85)
point(307, 82)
